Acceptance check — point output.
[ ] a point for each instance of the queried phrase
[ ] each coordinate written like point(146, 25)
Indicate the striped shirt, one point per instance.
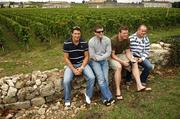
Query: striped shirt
point(139, 46)
point(76, 52)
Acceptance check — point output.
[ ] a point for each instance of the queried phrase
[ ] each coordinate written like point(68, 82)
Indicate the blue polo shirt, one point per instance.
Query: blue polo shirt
point(76, 52)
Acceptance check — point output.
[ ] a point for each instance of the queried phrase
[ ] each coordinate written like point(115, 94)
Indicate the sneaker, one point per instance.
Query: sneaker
point(88, 100)
point(67, 104)
point(111, 101)
point(107, 103)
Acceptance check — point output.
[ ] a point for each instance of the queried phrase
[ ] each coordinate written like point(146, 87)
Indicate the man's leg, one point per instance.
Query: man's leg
point(136, 74)
point(88, 73)
point(106, 94)
point(68, 77)
point(117, 67)
point(147, 68)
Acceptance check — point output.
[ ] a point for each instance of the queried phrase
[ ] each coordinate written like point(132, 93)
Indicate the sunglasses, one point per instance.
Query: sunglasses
point(99, 31)
point(76, 27)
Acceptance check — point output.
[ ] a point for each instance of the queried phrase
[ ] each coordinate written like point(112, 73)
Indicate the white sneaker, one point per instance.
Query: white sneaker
point(67, 104)
point(88, 100)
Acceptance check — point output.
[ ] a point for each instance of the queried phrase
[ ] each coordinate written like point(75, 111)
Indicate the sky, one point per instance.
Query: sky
point(80, 1)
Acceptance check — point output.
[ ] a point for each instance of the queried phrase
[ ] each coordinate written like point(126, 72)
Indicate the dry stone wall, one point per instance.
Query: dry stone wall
point(37, 88)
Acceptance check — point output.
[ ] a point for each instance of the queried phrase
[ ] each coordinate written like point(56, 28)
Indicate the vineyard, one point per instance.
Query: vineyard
point(44, 25)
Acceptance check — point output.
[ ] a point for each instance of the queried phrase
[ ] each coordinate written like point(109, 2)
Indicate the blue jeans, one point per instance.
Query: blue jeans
point(101, 70)
point(147, 67)
point(69, 76)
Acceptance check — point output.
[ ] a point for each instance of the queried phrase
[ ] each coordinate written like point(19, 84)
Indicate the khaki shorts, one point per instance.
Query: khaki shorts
point(114, 64)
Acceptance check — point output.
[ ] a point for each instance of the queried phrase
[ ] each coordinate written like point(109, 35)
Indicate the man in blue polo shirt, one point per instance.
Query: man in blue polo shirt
point(76, 57)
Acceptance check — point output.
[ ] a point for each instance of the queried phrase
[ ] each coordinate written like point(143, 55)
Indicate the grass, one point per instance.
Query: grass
point(162, 103)
point(42, 57)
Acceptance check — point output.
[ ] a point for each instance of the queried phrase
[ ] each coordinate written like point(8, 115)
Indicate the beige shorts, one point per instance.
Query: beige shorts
point(115, 64)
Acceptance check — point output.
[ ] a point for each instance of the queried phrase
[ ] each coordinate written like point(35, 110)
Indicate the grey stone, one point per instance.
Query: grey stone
point(42, 77)
point(49, 98)
point(35, 74)
point(4, 93)
point(18, 105)
point(15, 79)
point(30, 83)
point(20, 84)
point(21, 94)
point(38, 101)
point(1, 81)
point(58, 84)
point(10, 83)
point(4, 87)
point(47, 89)
point(155, 46)
point(12, 92)
point(31, 93)
point(8, 99)
point(42, 111)
point(1, 106)
point(38, 82)
point(27, 93)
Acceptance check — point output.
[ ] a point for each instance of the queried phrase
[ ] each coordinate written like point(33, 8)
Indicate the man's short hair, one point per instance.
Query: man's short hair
point(75, 28)
point(123, 28)
point(98, 26)
point(141, 26)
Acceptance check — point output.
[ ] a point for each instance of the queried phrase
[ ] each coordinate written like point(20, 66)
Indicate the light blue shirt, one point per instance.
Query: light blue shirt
point(100, 49)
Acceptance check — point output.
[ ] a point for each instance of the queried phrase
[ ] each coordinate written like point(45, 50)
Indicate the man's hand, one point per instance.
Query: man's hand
point(140, 60)
point(80, 69)
point(125, 63)
point(76, 72)
point(133, 60)
point(93, 58)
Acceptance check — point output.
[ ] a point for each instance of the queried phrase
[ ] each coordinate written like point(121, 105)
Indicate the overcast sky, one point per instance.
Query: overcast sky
point(79, 1)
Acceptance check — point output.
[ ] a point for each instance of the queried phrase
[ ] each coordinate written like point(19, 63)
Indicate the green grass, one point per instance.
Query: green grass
point(163, 34)
point(162, 103)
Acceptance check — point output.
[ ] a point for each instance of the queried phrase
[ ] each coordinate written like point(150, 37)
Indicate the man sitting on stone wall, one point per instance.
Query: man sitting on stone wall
point(139, 44)
point(121, 57)
point(76, 56)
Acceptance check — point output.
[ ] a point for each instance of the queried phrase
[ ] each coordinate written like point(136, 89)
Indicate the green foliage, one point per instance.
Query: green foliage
point(19, 30)
point(47, 23)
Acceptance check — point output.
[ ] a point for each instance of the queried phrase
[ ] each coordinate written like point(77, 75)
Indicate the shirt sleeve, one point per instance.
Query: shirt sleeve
point(86, 46)
point(65, 47)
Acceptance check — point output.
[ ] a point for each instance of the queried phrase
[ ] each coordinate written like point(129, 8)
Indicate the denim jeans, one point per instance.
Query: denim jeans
point(147, 67)
point(69, 76)
point(101, 70)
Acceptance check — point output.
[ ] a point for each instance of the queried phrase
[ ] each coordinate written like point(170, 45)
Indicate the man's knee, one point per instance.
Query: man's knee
point(149, 67)
point(67, 81)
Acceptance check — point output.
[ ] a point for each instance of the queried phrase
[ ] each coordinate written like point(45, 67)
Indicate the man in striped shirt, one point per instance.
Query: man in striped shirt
point(139, 44)
point(76, 57)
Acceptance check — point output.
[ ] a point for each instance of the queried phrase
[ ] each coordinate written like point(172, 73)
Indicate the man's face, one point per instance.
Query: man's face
point(142, 31)
point(99, 32)
point(76, 35)
point(123, 35)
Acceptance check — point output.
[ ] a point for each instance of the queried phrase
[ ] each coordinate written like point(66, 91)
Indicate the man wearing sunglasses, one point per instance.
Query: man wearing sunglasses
point(100, 51)
point(76, 56)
